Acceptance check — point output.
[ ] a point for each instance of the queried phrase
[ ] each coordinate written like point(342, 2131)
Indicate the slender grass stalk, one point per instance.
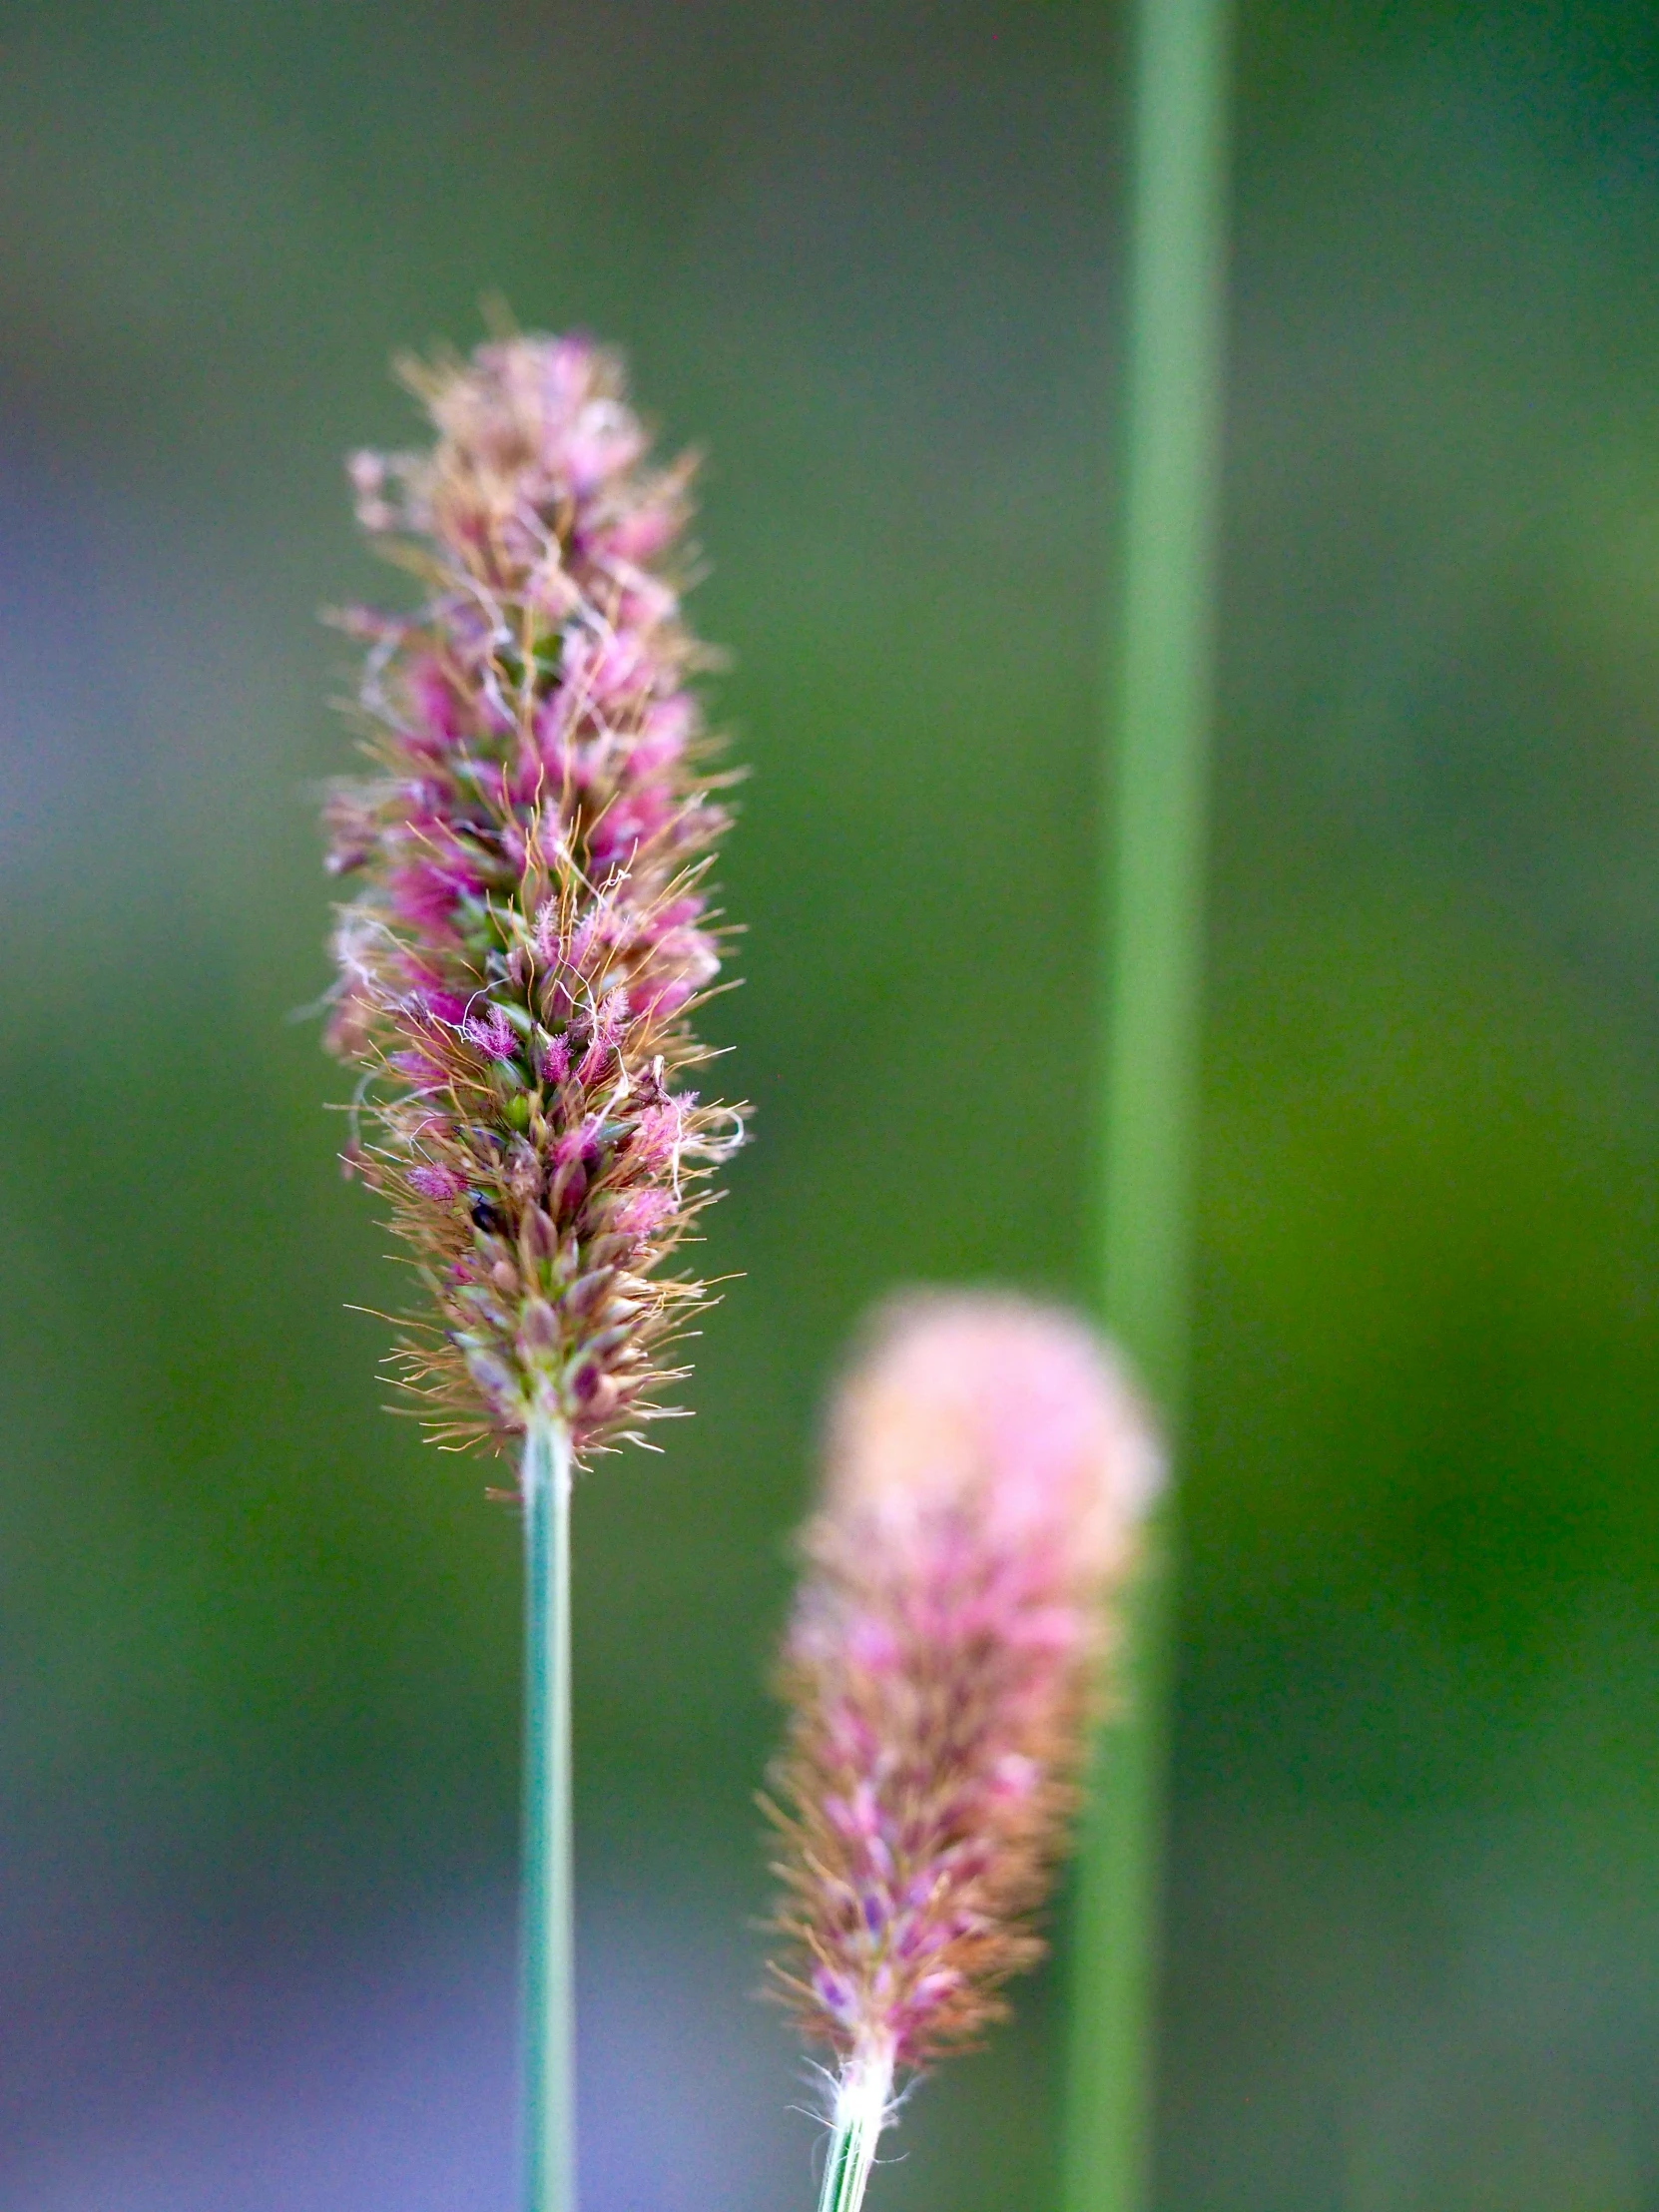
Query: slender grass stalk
point(1160, 710)
point(548, 1934)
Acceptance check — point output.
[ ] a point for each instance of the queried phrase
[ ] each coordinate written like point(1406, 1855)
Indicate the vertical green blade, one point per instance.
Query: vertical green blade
point(1159, 706)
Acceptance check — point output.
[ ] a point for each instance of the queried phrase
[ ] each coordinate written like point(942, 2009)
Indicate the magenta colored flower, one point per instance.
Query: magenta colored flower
point(529, 933)
point(988, 1472)
point(441, 1185)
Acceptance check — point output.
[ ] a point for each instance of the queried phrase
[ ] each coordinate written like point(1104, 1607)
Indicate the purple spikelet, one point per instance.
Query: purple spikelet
point(988, 1472)
point(530, 929)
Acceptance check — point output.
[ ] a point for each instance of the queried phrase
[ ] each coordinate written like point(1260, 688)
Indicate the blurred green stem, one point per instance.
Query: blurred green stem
point(548, 1932)
point(1160, 710)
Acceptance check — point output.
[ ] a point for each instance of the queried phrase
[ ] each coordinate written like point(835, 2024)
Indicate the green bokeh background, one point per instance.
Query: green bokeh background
point(257, 1648)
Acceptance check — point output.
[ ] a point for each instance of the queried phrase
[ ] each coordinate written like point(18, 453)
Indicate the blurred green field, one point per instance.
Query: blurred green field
point(257, 1648)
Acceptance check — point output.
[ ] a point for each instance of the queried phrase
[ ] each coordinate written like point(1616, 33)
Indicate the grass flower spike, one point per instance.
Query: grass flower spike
point(987, 1469)
point(529, 926)
point(527, 937)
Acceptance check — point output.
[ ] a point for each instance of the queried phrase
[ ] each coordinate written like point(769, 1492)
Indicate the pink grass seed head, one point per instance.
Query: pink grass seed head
point(526, 932)
point(987, 1472)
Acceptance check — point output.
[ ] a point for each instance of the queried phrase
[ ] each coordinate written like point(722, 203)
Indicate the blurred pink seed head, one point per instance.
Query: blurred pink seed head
point(998, 1404)
point(988, 1472)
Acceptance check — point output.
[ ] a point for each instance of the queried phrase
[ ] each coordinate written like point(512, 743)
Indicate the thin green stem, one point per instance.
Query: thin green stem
point(863, 2099)
point(548, 1932)
point(1160, 712)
